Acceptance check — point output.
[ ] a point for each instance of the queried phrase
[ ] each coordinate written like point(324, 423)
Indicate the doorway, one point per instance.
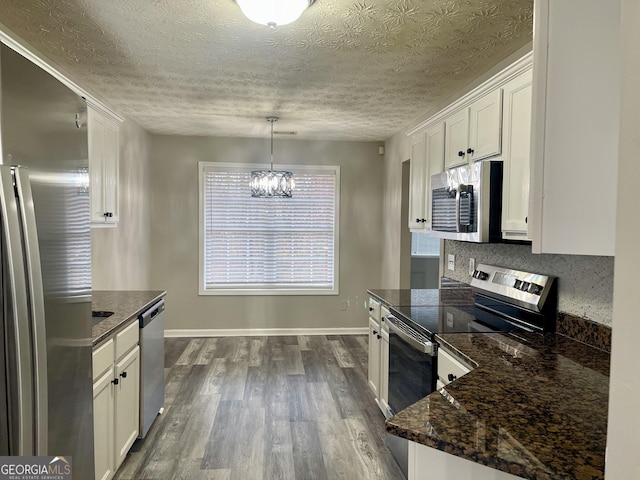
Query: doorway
point(420, 253)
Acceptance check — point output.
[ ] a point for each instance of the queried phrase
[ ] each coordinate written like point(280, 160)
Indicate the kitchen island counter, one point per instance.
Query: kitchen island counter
point(126, 304)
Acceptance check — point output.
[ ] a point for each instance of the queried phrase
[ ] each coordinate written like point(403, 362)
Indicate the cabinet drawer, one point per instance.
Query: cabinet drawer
point(448, 365)
point(103, 358)
point(374, 309)
point(127, 339)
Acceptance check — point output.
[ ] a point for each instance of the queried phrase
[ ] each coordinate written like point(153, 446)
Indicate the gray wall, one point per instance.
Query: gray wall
point(585, 283)
point(120, 256)
point(174, 234)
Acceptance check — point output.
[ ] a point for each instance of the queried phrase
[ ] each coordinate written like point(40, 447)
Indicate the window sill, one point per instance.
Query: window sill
point(260, 292)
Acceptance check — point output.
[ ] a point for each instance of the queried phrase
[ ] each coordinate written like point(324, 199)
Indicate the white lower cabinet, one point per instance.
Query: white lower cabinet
point(449, 368)
point(116, 399)
point(103, 426)
point(426, 463)
point(127, 403)
point(383, 394)
point(374, 356)
point(378, 371)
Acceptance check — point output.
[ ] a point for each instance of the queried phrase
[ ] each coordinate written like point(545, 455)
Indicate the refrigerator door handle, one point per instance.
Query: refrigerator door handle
point(36, 304)
point(20, 362)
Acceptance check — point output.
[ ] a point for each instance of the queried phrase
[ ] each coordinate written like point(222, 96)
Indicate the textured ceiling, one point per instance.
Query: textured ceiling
point(347, 69)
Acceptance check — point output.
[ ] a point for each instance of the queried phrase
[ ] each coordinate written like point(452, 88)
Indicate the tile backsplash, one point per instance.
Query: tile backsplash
point(585, 283)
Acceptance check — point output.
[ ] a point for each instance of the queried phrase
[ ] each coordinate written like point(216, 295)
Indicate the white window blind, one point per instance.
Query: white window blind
point(268, 245)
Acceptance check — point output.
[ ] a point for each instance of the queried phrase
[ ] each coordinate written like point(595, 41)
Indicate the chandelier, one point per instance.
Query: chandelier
point(271, 183)
point(273, 12)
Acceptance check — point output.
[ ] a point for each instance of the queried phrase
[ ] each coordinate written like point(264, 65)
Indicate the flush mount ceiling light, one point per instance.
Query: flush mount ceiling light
point(270, 183)
point(273, 12)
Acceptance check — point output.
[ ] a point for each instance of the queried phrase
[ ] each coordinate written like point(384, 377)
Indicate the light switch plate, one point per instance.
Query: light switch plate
point(451, 262)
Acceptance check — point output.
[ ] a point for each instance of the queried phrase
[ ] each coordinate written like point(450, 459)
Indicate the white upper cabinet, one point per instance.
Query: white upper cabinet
point(576, 107)
point(457, 138)
point(427, 159)
point(417, 183)
point(434, 141)
point(493, 120)
point(473, 133)
point(485, 117)
point(104, 147)
point(516, 154)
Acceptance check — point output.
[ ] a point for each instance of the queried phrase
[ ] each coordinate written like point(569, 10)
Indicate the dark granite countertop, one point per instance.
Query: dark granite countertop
point(453, 294)
point(535, 407)
point(125, 305)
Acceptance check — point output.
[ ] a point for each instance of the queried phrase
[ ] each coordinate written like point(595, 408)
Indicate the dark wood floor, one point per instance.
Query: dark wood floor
point(265, 408)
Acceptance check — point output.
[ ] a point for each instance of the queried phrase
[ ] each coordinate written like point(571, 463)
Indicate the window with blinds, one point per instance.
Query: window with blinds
point(268, 245)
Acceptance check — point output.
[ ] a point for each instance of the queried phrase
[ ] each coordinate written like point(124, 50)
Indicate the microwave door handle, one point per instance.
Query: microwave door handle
point(468, 191)
point(458, 209)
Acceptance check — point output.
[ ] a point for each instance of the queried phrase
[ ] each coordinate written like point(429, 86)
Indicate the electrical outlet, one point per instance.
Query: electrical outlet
point(451, 262)
point(344, 304)
point(472, 266)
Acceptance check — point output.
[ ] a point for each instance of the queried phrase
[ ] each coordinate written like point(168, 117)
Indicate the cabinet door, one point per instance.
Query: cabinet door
point(449, 367)
point(456, 138)
point(96, 138)
point(104, 149)
point(426, 463)
point(485, 123)
point(110, 175)
point(417, 177)
point(383, 392)
point(576, 134)
point(127, 404)
point(434, 140)
point(103, 426)
point(374, 356)
point(516, 135)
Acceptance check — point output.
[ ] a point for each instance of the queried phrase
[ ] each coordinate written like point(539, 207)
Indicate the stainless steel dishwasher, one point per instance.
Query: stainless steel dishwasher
point(151, 365)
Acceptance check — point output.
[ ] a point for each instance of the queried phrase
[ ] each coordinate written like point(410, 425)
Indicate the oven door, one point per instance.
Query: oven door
point(412, 376)
point(412, 365)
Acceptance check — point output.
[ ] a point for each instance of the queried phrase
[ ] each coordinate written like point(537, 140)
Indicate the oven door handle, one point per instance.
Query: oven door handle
point(422, 346)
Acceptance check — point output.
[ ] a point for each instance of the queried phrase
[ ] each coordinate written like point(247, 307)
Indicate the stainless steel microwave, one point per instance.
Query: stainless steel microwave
point(466, 203)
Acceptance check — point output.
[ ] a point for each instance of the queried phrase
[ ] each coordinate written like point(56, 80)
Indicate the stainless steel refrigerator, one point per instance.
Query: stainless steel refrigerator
point(46, 401)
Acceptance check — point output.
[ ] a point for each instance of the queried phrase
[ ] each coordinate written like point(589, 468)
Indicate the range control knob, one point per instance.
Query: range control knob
point(480, 275)
point(535, 289)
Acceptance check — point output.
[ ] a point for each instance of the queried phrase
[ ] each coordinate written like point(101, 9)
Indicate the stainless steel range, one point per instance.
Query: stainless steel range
point(503, 300)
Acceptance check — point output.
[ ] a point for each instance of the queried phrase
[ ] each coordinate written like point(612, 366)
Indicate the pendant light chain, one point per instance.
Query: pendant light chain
point(272, 120)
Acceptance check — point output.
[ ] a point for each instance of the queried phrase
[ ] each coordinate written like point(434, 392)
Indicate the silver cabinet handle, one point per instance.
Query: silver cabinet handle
point(36, 297)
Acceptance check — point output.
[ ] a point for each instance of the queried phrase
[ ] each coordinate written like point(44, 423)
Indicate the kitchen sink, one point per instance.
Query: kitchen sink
point(99, 315)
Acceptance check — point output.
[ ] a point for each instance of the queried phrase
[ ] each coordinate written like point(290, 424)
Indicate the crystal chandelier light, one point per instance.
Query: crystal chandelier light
point(273, 12)
point(270, 183)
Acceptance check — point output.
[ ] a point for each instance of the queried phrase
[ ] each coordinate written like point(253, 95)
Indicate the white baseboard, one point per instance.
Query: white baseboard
point(263, 332)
